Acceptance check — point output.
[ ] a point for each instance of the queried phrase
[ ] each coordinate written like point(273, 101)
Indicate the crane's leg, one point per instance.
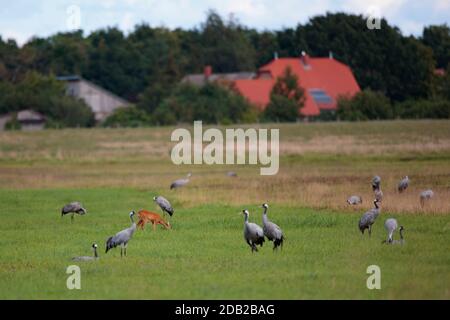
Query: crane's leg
point(251, 246)
point(370, 230)
point(121, 251)
point(71, 217)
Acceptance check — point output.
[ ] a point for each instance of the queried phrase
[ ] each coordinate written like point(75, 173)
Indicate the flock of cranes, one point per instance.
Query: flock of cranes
point(254, 235)
point(391, 224)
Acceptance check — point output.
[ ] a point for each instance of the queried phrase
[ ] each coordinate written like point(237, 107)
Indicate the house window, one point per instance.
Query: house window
point(320, 96)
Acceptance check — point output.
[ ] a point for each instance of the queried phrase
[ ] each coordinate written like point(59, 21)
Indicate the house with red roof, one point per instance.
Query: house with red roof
point(323, 79)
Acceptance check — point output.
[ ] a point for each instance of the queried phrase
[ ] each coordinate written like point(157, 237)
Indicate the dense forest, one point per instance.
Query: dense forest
point(397, 73)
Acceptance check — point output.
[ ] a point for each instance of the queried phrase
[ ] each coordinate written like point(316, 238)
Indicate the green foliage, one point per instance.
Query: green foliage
point(128, 117)
point(211, 103)
point(13, 124)
point(365, 105)
point(423, 109)
point(146, 65)
point(47, 96)
point(281, 109)
point(286, 98)
point(438, 38)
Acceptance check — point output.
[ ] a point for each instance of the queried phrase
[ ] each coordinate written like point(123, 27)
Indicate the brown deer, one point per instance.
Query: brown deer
point(148, 216)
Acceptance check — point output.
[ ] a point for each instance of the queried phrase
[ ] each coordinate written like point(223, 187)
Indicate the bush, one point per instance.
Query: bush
point(47, 96)
point(365, 105)
point(420, 109)
point(128, 117)
point(211, 103)
point(281, 109)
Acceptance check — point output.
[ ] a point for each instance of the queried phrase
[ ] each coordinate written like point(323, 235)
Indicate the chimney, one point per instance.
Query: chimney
point(305, 59)
point(330, 54)
point(275, 55)
point(207, 72)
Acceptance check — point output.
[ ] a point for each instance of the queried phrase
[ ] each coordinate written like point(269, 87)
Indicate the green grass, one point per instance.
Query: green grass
point(113, 171)
point(205, 256)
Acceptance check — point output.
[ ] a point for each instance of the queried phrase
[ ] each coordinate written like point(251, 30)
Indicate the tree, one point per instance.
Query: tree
point(286, 98)
point(438, 39)
point(47, 96)
point(225, 45)
point(381, 59)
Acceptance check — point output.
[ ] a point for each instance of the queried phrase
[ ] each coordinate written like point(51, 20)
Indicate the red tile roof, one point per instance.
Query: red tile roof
point(327, 74)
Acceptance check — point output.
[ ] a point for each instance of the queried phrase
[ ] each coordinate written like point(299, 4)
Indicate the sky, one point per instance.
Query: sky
point(22, 19)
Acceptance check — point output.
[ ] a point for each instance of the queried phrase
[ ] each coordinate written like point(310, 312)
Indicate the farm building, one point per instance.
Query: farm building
point(200, 79)
point(28, 120)
point(101, 101)
point(323, 79)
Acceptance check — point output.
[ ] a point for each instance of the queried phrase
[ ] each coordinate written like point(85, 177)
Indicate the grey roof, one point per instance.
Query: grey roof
point(200, 80)
point(29, 115)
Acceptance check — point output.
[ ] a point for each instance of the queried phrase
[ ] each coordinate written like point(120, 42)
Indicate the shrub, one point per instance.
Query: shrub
point(420, 109)
point(281, 109)
point(211, 103)
point(128, 117)
point(365, 105)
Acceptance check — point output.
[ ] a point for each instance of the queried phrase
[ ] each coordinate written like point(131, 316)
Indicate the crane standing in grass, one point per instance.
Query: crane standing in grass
point(164, 204)
point(391, 225)
point(180, 182)
point(271, 230)
point(88, 258)
point(121, 238)
point(376, 187)
point(426, 195)
point(253, 234)
point(403, 184)
point(354, 200)
point(73, 207)
point(368, 219)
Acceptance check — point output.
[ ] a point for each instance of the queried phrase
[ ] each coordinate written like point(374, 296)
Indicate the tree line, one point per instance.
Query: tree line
point(146, 66)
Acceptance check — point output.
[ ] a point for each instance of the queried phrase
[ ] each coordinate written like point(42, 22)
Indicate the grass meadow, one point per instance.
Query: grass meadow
point(204, 256)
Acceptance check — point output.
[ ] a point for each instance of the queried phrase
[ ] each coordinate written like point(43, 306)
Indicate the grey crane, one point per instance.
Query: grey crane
point(368, 218)
point(232, 174)
point(73, 207)
point(121, 238)
point(376, 181)
point(378, 194)
point(164, 204)
point(272, 231)
point(391, 225)
point(426, 195)
point(180, 182)
point(253, 234)
point(88, 258)
point(403, 184)
point(354, 200)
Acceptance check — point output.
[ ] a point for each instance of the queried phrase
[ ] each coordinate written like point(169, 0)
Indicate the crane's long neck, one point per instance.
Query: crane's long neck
point(95, 252)
point(265, 215)
point(401, 234)
point(245, 217)
point(376, 204)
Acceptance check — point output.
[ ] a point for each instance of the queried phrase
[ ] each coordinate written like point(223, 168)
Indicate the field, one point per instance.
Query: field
point(204, 256)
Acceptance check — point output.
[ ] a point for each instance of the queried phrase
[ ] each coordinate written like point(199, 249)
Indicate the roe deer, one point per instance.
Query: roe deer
point(148, 216)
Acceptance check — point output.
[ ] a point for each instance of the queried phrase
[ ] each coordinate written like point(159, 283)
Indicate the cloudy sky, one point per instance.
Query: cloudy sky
point(21, 19)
